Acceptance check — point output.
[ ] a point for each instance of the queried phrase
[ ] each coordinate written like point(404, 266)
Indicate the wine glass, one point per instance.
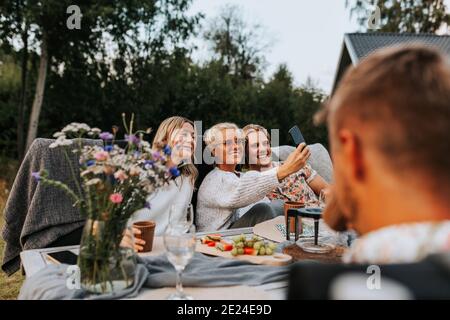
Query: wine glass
point(314, 245)
point(322, 197)
point(181, 214)
point(180, 248)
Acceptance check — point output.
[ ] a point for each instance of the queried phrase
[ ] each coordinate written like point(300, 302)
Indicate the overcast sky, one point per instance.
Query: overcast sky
point(306, 34)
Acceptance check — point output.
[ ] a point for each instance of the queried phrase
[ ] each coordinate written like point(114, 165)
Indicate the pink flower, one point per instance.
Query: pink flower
point(120, 175)
point(101, 156)
point(134, 171)
point(116, 198)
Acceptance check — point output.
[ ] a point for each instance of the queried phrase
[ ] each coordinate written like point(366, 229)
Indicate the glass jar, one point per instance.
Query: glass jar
point(107, 258)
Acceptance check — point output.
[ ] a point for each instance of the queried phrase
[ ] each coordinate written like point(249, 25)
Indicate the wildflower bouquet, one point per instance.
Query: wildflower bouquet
point(115, 182)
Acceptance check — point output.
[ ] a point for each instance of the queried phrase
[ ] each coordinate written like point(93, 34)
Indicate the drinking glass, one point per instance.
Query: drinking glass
point(180, 248)
point(181, 215)
point(322, 202)
point(315, 244)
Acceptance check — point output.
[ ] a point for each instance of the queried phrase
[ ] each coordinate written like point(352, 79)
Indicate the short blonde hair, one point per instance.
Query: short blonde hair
point(210, 135)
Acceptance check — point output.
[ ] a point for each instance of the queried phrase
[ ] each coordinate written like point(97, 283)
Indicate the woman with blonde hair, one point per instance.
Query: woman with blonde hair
point(178, 134)
point(224, 190)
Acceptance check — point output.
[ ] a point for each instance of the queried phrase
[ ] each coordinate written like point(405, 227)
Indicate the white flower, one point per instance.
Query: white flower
point(96, 130)
point(145, 144)
point(60, 141)
point(93, 181)
point(83, 126)
point(75, 127)
point(58, 134)
point(68, 128)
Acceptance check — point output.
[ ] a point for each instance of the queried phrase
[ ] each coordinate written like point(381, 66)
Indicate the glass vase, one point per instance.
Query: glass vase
point(107, 263)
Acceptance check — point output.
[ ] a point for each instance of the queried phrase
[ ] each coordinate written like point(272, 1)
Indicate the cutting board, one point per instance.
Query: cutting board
point(277, 259)
point(268, 229)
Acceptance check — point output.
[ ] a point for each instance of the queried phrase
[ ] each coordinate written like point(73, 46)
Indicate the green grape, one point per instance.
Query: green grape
point(269, 251)
point(272, 246)
point(240, 250)
point(262, 251)
point(234, 252)
point(257, 245)
point(240, 245)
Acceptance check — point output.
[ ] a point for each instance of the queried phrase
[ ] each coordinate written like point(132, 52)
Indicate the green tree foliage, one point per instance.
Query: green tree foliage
point(415, 16)
point(139, 61)
point(238, 46)
point(114, 37)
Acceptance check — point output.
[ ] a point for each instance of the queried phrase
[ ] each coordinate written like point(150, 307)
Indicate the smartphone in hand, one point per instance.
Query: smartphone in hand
point(296, 135)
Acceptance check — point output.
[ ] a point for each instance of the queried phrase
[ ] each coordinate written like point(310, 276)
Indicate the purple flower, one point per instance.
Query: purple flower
point(106, 136)
point(167, 150)
point(156, 155)
point(90, 163)
point(174, 172)
point(148, 164)
point(36, 175)
point(108, 148)
point(132, 139)
point(147, 205)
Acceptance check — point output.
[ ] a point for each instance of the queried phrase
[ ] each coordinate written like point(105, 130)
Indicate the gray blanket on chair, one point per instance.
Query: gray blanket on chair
point(157, 272)
point(36, 215)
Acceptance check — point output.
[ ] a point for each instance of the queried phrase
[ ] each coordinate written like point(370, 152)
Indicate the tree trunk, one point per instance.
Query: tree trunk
point(23, 97)
point(39, 95)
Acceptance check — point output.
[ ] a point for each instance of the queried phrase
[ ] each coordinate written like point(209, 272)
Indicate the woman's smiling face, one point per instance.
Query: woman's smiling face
point(182, 142)
point(259, 152)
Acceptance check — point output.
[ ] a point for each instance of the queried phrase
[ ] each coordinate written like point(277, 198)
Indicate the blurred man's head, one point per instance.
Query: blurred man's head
point(389, 125)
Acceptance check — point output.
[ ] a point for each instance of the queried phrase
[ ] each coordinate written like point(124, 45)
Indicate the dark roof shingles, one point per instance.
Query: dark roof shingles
point(365, 43)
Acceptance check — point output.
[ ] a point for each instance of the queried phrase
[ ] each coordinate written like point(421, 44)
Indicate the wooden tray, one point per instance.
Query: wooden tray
point(277, 259)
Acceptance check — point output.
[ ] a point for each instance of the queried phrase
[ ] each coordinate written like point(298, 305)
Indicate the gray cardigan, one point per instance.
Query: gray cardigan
point(37, 215)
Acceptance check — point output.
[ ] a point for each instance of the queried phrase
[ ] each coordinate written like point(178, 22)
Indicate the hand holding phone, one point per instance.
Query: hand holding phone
point(296, 135)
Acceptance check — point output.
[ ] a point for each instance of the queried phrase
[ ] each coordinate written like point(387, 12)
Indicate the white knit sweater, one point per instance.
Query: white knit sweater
point(179, 191)
point(222, 193)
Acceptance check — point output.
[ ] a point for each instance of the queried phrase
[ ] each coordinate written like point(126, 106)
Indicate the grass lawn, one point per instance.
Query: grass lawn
point(9, 286)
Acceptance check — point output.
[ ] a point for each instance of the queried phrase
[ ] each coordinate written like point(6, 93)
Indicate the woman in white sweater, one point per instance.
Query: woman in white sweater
point(178, 133)
point(224, 191)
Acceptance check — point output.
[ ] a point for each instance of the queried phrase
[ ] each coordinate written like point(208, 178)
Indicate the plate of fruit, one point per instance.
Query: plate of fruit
point(243, 247)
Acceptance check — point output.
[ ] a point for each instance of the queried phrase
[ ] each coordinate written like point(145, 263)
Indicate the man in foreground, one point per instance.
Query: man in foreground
point(389, 125)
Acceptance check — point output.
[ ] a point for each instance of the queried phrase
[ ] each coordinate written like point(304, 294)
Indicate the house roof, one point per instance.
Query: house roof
point(357, 46)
